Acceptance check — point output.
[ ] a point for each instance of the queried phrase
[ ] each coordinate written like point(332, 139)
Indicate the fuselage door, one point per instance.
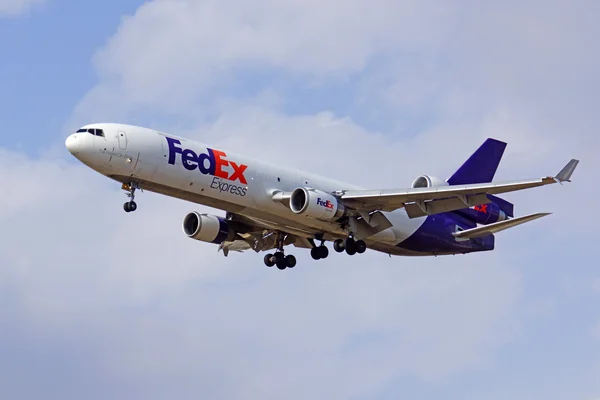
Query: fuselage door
point(122, 136)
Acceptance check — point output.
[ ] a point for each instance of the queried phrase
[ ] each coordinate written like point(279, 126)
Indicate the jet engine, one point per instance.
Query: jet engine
point(425, 181)
point(484, 214)
point(206, 228)
point(316, 204)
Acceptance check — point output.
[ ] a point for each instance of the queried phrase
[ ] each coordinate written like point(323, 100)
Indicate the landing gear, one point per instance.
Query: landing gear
point(282, 261)
point(320, 252)
point(279, 258)
point(350, 245)
point(130, 188)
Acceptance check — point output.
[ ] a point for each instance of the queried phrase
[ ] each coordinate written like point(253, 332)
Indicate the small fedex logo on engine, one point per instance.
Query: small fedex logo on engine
point(211, 163)
point(326, 204)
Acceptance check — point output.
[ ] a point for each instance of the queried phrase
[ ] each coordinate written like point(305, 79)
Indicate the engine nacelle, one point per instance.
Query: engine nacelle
point(425, 181)
point(484, 214)
point(206, 228)
point(316, 204)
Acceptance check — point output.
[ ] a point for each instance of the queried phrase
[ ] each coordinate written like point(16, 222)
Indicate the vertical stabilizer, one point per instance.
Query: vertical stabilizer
point(481, 166)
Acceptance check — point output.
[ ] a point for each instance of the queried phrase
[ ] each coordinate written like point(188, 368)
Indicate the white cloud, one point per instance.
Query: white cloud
point(151, 305)
point(16, 7)
point(156, 313)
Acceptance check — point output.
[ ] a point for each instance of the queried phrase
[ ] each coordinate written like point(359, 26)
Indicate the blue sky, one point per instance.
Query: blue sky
point(46, 64)
point(97, 304)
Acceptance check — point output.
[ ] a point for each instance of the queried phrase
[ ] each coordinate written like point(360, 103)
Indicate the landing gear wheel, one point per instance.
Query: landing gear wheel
point(280, 260)
point(315, 253)
point(361, 247)
point(323, 252)
point(130, 206)
point(338, 245)
point(290, 260)
point(350, 246)
point(269, 260)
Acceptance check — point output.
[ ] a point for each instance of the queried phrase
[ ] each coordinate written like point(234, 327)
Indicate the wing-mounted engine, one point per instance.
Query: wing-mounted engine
point(207, 228)
point(426, 181)
point(317, 204)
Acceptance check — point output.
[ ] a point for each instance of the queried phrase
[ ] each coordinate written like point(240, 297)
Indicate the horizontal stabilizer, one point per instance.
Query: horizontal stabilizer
point(490, 229)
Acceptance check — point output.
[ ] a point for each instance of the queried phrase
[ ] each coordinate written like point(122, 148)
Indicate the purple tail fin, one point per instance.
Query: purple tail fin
point(481, 168)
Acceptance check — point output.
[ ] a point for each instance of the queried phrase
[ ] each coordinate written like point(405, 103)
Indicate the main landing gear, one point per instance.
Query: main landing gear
point(130, 188)
point(279, 258)
point(319, 252)
point(350, 245)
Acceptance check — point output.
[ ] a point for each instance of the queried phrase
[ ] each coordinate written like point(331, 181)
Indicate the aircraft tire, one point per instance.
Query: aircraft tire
point(315, 253)
point(350, 246)
point(269, 262)
point(338, 245)
point(290, 261)
point(280, 260)
point(323, 252)
point(361, 246)
point(126, 207)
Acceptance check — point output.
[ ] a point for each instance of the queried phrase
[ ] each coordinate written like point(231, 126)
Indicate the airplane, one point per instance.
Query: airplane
point(268, 207)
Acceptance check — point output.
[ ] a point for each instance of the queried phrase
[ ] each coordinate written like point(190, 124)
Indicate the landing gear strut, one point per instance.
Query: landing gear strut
point(131, 204)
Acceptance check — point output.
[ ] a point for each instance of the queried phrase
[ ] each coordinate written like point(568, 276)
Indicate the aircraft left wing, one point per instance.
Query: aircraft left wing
point(433, 200)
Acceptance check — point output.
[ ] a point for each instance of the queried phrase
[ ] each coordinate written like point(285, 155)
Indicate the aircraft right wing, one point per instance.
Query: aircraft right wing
point(433, 200)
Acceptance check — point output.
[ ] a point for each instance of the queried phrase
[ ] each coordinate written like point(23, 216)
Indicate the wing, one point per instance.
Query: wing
point(433, 200)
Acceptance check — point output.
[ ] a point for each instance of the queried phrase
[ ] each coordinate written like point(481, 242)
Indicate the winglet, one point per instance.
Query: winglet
point(565, 174)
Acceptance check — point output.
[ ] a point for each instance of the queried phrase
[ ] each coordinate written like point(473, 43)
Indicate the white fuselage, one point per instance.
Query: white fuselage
point(218, 178)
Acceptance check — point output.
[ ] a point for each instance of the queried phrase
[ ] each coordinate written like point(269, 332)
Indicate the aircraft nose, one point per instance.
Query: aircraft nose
point(72, 144)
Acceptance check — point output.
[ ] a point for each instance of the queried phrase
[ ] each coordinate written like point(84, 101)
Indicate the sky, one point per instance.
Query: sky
point(100, 304)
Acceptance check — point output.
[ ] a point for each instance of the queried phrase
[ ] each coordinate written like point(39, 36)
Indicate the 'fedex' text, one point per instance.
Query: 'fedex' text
point(326, 204)
point(210, 163)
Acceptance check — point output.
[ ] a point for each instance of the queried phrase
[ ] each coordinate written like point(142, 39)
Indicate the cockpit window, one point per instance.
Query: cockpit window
point(93, 131)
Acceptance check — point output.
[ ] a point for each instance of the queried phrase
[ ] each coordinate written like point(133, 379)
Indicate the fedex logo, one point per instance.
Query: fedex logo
point(211, 163)
point(326, 204)
point(482, 208)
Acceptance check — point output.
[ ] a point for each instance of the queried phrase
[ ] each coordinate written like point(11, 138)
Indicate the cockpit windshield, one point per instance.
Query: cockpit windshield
point(93, 131)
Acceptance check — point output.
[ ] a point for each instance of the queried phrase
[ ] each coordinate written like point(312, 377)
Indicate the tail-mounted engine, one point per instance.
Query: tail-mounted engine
point(206, 228)
point(316, 204)
point(425, 181)
point(484, 214)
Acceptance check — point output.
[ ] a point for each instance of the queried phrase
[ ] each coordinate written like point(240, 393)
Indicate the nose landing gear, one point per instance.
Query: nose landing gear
point(130, 188)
